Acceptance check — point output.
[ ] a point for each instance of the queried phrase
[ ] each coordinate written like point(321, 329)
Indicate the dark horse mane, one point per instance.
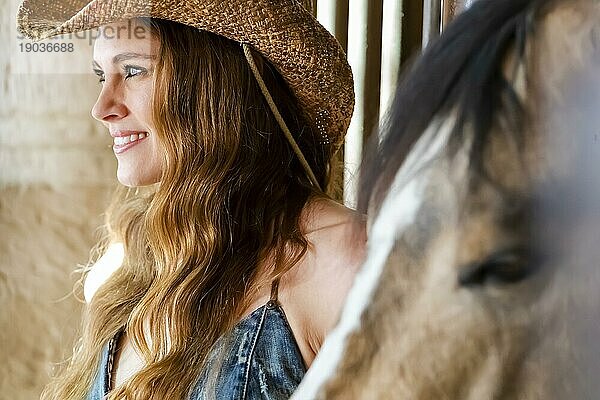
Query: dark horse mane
point(460, 72)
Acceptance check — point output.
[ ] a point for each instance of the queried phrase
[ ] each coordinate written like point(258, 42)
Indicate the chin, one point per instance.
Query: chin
point(135, 180)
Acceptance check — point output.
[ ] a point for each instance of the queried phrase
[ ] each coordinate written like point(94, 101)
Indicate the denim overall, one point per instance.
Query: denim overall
point(259, 359)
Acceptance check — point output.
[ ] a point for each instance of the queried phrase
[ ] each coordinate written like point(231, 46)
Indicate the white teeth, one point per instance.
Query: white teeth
point(120, 141)
point(123, 140)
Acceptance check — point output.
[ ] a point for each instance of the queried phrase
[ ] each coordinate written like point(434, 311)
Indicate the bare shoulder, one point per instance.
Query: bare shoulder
point(316, 288)
point(337, 242)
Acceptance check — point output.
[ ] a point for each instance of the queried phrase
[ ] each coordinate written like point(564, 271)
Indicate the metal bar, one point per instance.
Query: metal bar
point(357, 42)
point(432, 20)
point(391, 52)
point(364, 55)
point(313, 6)
point(326, 14)
point(333, 15)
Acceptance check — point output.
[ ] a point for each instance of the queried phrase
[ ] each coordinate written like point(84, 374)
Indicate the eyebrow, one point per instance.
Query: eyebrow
point(127, 56)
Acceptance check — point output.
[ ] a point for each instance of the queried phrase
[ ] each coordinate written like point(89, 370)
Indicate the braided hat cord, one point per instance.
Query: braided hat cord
point(278, 116)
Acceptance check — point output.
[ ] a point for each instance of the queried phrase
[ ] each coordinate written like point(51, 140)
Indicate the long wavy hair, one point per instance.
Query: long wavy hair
point(230, 199)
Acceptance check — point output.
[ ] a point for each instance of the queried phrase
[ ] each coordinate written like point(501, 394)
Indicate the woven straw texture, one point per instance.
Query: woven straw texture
point(307, 56)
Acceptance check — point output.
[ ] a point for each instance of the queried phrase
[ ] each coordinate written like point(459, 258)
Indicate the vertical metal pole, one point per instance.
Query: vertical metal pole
point(313, 9)
point(357, 42)
point(333, 15)
point(364, 55)
point(326, 14)
point(391, 51)
point(432, 20)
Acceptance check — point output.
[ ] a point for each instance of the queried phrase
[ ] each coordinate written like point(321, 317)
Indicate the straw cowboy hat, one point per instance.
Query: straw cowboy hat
point(308, 57)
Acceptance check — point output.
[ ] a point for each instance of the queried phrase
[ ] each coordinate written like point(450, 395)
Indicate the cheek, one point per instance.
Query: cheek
point(140, 100)
point(154, 164)
point(146, 108)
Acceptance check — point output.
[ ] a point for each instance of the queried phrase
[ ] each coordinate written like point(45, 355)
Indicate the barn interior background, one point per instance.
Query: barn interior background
point(57, 168)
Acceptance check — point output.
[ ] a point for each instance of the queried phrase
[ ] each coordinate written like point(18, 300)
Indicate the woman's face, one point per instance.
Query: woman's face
point(125, 56)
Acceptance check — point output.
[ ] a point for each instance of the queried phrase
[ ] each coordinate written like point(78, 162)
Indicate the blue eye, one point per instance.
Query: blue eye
point(128, 70)
point(131, 71)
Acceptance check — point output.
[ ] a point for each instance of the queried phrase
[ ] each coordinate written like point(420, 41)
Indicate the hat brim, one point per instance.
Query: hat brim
point(308, 57)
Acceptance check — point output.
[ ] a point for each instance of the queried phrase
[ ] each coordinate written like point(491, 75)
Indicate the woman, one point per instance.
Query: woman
point(226, 152)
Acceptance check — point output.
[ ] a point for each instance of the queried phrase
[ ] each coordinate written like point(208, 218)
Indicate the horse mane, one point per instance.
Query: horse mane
point(460, 73)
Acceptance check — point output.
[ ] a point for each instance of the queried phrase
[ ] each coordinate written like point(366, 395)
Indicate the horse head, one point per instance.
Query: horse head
point(483, 195)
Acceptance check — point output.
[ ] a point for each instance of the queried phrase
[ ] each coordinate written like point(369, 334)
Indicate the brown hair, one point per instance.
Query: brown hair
point(230, 198)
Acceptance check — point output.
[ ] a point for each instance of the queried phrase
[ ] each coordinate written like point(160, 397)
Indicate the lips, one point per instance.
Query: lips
point(125, 140)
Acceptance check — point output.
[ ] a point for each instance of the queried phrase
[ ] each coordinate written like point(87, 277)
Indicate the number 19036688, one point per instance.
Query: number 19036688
point(46, 47)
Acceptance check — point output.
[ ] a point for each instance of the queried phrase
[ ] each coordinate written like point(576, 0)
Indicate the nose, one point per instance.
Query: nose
point(110, 105)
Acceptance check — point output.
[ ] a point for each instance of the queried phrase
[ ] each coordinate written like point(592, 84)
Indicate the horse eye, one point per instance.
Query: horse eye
point(504, 267)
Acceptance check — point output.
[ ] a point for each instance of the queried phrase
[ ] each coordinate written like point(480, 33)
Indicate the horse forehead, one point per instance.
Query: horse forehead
point(405, 196)
point(565, 81)
point(564, 39)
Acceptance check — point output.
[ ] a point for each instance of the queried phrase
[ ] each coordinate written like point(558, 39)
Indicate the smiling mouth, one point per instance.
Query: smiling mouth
point(124, 143)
